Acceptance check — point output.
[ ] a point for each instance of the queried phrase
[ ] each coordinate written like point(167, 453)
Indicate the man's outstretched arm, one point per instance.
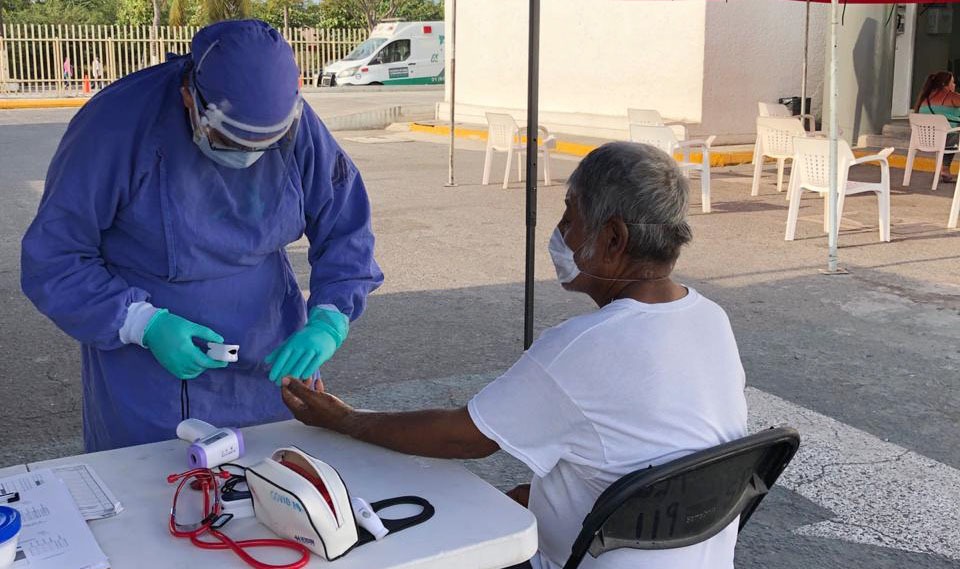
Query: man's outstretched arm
point(437, 433)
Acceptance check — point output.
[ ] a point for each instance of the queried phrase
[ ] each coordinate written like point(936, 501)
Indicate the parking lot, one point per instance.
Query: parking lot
point(869, 358)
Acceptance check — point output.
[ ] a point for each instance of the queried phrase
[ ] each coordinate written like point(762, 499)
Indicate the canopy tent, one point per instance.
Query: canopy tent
point(533, 63)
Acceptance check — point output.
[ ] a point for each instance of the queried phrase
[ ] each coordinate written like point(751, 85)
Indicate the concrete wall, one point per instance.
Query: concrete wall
point(754, 52)
point(865, 70)
point(598, 57)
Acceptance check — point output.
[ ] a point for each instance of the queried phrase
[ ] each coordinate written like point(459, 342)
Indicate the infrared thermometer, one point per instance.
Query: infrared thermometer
point(211, 446)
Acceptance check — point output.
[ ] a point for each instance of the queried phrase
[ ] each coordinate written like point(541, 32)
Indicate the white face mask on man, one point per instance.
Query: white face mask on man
point(563, 258)
point(565, 263)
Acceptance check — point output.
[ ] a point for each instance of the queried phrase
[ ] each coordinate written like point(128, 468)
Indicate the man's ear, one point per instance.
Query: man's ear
point(614, 235)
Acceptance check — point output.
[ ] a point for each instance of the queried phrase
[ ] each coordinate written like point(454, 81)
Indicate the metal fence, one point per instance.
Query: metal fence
point(72, 59)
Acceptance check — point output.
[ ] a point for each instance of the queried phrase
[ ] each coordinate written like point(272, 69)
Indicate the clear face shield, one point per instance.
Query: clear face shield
point(235, 144)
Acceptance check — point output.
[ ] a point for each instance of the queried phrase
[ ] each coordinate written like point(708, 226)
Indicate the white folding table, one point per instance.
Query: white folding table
point(13, 470)
point(475, 525)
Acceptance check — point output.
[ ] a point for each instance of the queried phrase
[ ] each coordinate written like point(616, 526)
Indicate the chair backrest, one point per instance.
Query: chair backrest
point(688, 500)
point(502, 130)
point(662, 137)
point(776, 135)
point(928, 132)
point(812, 162)
point(773, 110)
point(644, 117)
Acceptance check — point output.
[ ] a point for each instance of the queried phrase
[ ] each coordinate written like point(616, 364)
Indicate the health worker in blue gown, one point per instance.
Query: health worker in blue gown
point(162, 228)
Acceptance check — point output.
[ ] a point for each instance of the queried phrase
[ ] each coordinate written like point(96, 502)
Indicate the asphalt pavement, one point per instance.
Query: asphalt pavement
point(868, 363)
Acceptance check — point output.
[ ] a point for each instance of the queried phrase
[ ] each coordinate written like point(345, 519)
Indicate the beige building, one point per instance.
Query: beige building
point(706, 63)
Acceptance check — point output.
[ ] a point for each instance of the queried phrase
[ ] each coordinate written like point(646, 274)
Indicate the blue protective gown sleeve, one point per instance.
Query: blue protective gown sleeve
point(337, 211)
point(62, 269)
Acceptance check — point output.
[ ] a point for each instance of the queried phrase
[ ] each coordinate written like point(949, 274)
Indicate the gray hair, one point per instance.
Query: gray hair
point(641, 185)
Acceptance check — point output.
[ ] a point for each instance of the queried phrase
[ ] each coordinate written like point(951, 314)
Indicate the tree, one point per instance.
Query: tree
point(296, 13)
point(157, 7)
point(421, 11)
point(134, 12)
point(59, 11)
point(368, 13)
point(178, 15)
point(340, 14)
point(219, 10)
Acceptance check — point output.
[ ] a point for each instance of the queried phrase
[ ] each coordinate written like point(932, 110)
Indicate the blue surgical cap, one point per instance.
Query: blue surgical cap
point(247, 69)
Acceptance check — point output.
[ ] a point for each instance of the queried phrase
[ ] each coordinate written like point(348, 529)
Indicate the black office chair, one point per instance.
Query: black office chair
point(688, 500)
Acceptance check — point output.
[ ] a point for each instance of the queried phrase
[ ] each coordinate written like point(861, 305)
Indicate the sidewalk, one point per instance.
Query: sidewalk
point(720, 156)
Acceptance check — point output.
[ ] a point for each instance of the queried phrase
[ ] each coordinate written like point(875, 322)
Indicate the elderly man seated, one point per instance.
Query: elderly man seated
point(652, 375)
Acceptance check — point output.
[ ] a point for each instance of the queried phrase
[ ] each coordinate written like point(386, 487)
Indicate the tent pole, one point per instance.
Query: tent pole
point(533, 133)
point(832, 264)
point(806, 49)
point(451, 182)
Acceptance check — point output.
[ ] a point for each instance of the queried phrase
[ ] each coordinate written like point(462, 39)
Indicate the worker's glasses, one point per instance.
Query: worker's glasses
point(227, 134)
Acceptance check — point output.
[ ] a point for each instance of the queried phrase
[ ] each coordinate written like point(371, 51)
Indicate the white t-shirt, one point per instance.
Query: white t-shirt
point(607, 393)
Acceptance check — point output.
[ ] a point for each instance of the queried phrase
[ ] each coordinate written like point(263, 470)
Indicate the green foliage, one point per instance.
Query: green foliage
point(179, 13)
point(219, 10)
point(300, 13)
point(421, 11)
point(135, 12)
point(197, 15)
point(341, 14)
point(366, 13)
point(59, 11)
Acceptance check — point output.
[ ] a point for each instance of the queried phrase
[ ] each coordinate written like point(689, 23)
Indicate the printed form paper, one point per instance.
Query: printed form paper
point(54, 534)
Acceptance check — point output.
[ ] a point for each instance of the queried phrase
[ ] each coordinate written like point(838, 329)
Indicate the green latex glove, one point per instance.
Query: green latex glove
point(305, 351)
point(170, 339)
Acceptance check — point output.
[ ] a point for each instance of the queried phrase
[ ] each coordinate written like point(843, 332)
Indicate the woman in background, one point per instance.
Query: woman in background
point(939, 97)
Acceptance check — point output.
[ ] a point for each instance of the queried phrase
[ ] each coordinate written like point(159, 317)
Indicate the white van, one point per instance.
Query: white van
point(396, 53)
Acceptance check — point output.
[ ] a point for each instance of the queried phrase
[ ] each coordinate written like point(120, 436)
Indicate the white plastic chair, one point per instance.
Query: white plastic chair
point(955, 207)
point(775, 137)
point(812, 173)
point(504, 135)
point(665, 139)
point(778, 110)
point(928, 133)
point(650, 117)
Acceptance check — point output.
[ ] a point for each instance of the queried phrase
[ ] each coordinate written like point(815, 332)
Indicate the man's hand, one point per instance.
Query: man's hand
point(315, 407)
point(521, 495)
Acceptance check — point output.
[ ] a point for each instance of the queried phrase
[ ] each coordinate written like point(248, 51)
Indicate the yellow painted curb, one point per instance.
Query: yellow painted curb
point(717, 158)
point(42, 103)
point(445, 130)
point(920, 164)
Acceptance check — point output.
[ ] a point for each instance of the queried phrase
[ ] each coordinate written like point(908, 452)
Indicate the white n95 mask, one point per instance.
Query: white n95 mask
point(304, 499)
point(562, 256)
point(238, 159)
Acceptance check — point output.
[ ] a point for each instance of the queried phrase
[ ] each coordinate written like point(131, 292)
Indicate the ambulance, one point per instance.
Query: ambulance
point(396, 53)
